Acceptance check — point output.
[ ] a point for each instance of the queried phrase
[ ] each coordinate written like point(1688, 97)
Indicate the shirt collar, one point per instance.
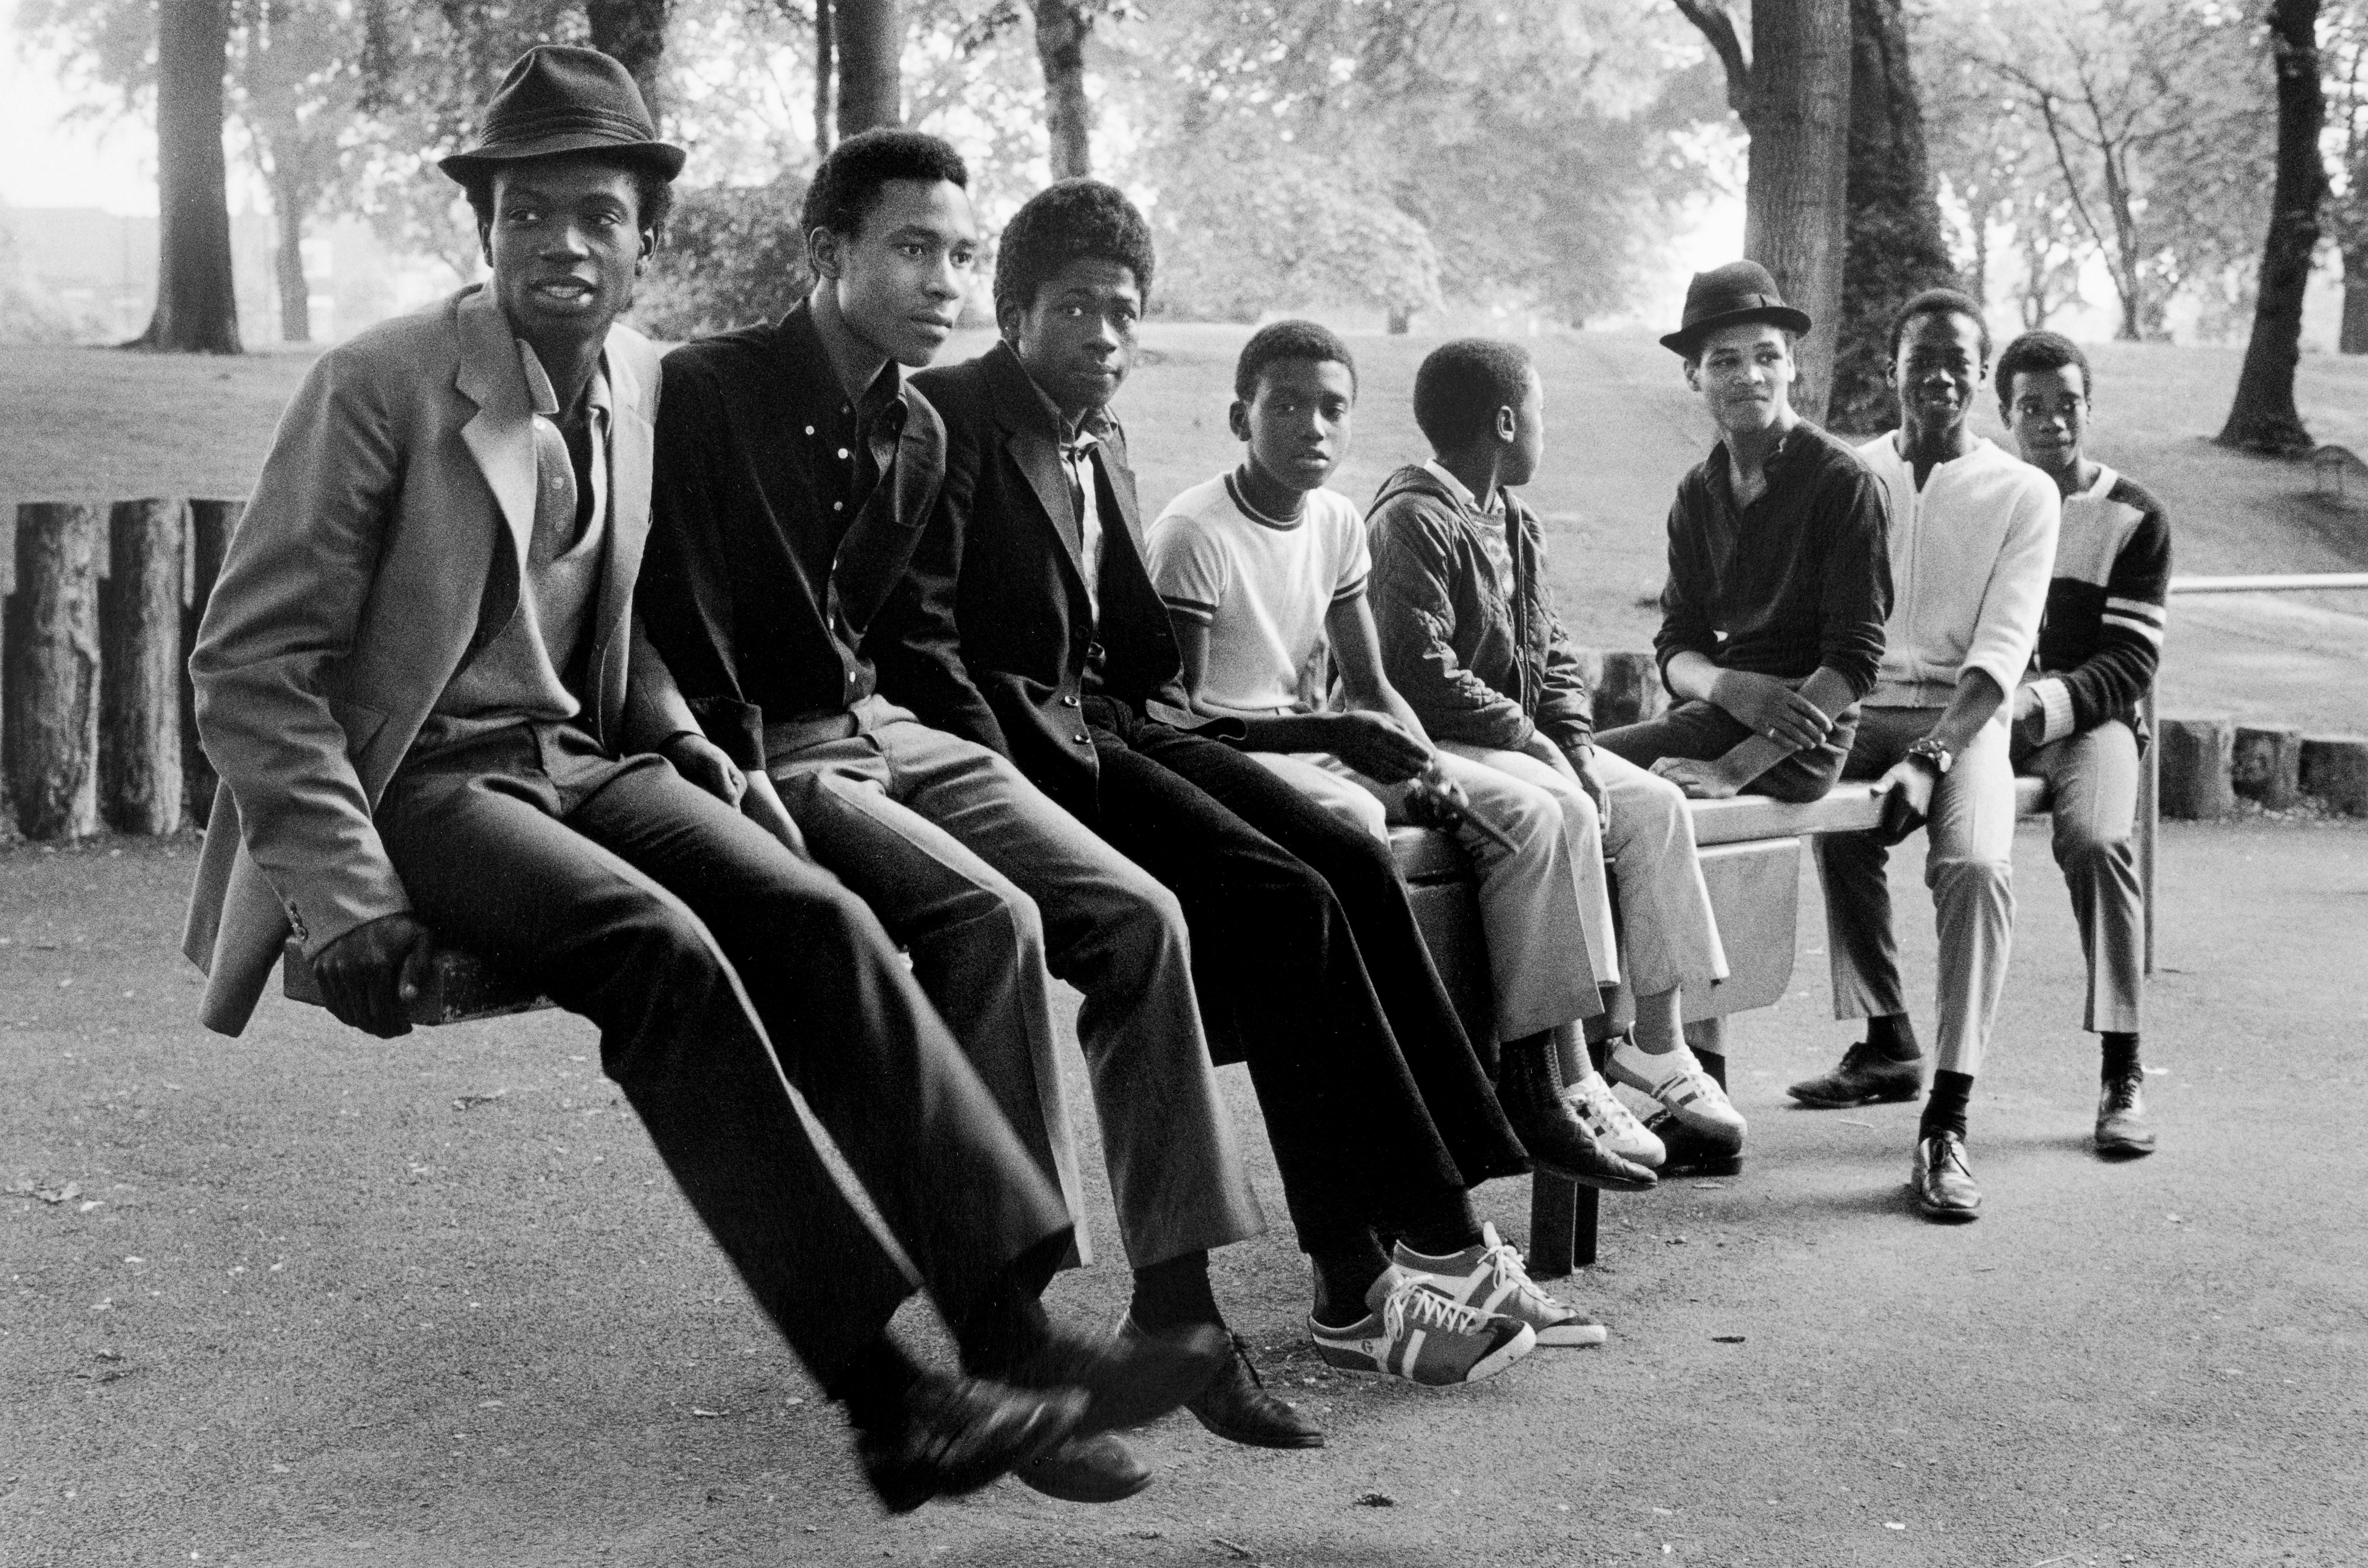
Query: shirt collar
point(1463, 492)
point(545, 397)
point(803, 340)
point(1094, 425)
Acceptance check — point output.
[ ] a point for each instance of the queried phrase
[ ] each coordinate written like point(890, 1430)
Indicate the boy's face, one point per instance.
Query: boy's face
point(1076, 337)
point(1745, 374)
point(564, 243)
point(901, 276)
point(1528, 443)
point(1297, 421)
point(1938, 364)
point(2048, 412)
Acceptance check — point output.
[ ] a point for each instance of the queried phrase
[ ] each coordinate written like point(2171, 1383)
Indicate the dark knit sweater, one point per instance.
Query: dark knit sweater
point(2102, 636)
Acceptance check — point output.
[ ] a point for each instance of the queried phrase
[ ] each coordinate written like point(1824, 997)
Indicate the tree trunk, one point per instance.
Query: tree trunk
point(1896, 248)
point(197, 309)
point(1060, 29)
point(2263, 417)
point(632, 33)
point(2354, 336)
point(53, 669)
point(139, 684)
point(825, 96)
point(870, 59)
point(1794, 217)
point(210, 522)
point(288, 264)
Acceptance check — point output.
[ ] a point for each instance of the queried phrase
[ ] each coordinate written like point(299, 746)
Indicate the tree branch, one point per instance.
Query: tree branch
point(1711, 17)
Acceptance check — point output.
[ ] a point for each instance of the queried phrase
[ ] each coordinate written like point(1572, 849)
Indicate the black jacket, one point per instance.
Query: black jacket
point(1024, 652)
point(1475, 668)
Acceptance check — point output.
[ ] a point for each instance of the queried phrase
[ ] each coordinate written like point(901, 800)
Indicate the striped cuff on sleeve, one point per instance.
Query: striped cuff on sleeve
point(1193, 611)
point(2055, 706)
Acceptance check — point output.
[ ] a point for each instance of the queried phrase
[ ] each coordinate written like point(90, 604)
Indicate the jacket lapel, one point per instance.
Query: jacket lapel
point(630, 442)
point(501, 435)
point(873, 556)
point(1016, 402)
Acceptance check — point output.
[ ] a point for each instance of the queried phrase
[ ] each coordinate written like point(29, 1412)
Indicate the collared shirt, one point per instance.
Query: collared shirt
point(1493, 541)
point(1798, 579)
point(531, 670)
point(763, 465)
point(1080, 441)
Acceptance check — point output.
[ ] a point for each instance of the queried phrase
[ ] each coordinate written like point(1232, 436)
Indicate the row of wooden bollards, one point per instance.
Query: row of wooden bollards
point(98, 727)
point(2208, 762)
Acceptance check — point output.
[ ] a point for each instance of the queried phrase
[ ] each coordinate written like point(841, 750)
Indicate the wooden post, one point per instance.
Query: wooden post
point(210, 522)
point(2335, 769)
point(53, 669)
point(1630, 691)
point(2195, 766)
point(139, 689)
point(2265, 765)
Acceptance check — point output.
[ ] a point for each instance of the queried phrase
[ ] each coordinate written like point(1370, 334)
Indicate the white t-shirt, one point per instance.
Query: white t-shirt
point(1262, 589)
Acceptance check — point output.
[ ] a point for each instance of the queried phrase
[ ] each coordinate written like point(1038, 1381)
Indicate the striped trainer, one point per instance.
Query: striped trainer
point(1414, 1331)
point(1490, 1278)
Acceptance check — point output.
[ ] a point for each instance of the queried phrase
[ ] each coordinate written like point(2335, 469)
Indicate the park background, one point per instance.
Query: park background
point(305, 1298)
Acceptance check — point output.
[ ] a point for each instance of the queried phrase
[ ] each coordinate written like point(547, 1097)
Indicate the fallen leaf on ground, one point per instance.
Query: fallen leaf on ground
point(1726, 1339)
point(1376, 1500)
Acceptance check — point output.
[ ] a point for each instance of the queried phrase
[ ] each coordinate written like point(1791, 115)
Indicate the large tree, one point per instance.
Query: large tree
point(1792, 93)
point(1895, 246)
point(2345, 58)
point(1061, 30)
point(633, 33)
point(2263, 418)
point(296, 64)
point(871, 45)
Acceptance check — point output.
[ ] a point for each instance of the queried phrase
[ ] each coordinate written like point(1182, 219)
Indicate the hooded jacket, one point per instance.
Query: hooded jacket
point(1475, 667)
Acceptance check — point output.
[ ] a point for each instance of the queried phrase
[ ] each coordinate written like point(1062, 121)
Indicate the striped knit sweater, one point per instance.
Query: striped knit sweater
point(2102, 635)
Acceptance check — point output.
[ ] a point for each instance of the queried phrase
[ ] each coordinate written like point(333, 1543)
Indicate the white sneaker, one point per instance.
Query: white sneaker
point(1490, 1279)
point(1614, 1125)
point(1676, 1080)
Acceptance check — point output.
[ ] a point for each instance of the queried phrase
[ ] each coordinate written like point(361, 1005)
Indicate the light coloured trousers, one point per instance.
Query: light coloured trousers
point(1968, 866)
point(2093, 779)
point(987, 884)
point(1546, 907)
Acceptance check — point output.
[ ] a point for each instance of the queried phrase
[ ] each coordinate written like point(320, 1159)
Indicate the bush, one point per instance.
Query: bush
point(732, 256)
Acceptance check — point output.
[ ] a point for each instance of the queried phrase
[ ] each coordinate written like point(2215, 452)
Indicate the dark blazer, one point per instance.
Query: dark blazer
point(1002, 649)
point(758, 612)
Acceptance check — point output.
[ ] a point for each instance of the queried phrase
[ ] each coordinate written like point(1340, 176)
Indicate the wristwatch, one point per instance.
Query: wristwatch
point(1932, 749)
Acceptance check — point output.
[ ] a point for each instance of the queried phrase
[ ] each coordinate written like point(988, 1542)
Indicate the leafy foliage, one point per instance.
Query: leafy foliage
point(732, 256)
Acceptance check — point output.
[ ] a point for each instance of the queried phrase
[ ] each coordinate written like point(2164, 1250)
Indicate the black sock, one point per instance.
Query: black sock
point(873, 1384)
point(1714, 1063)
point(1527, 1045)
point(1944, 1104)
point(1000, 1328)
point(1175, 1294)
point(1892, 1035)
point(1345, 1271)
point(2120, 1055)
point(1438, 1226)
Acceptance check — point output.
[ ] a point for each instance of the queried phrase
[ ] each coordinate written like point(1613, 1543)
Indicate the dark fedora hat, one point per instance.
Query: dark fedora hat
point(561, 98)
point(1739, 291)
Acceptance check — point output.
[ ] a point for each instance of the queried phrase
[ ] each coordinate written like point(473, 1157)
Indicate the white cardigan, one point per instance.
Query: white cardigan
point(1971, 556)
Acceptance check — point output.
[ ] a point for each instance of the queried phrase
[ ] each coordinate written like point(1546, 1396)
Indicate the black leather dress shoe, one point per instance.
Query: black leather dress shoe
point(1864, 1076)
point(1691, 1153)
point(954, 1435)
point(1098, 1469)
point(1529, 1088)
point(1238, 1407)
point(1126, 1382)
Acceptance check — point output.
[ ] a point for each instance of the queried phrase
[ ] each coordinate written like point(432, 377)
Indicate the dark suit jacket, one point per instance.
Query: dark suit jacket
point(1003, 648)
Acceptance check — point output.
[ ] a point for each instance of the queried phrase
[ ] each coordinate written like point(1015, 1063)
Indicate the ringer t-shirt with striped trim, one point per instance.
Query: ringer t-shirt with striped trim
point(2102, 636)
point(1262, 586)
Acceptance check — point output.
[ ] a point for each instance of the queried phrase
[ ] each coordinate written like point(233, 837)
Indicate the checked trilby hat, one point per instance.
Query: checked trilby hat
point(559, 98)
point(1739, 291)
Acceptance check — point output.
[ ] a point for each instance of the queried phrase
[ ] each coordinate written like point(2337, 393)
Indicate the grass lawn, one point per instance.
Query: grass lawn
point(100, 424)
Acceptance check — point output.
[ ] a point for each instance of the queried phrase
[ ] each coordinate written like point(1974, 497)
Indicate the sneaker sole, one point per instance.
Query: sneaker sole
point(2124, 1149)
point(1488, 1366)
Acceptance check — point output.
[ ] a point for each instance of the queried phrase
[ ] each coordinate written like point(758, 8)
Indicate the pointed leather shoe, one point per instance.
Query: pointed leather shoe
point(1236, 1405)
point(954, 1435)
point(1098, 1469)
point(1942, 1181)
point(1865, 1076)
point(2124, 1131)
point(1127, 1381)
point(1530, 1090)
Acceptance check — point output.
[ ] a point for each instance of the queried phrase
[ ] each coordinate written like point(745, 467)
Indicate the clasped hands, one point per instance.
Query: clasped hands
point(370, 976)
point(1772, 708)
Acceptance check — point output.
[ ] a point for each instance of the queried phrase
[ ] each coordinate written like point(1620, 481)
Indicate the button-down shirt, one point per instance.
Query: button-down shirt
point(1798, 579)
point(1080, 441)
point(763, 464)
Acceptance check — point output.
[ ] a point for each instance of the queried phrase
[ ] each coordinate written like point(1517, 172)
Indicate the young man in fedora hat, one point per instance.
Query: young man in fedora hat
point(1971, 532)
point(438, 722)
point(1771, 617)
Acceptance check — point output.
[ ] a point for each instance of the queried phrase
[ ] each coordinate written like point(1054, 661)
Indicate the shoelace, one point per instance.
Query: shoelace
point(1428, 1309)
point(1602, 1110)
point(1507, 1267)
